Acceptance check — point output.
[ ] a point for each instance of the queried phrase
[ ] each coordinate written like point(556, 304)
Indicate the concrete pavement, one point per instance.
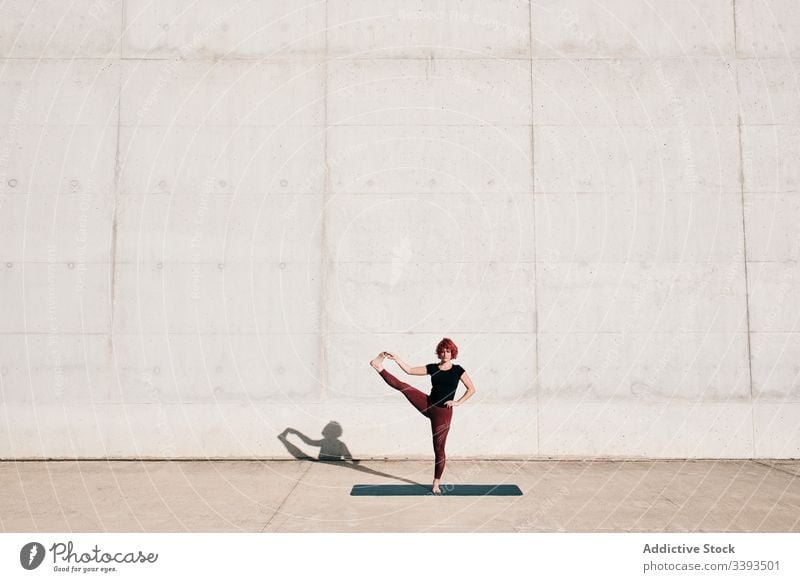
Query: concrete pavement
point(313, 496)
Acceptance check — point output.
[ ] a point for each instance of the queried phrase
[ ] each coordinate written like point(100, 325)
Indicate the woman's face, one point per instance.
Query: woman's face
point(444, 354)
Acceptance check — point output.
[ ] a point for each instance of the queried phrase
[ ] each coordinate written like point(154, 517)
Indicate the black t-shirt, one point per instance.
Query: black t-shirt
point(444, 382)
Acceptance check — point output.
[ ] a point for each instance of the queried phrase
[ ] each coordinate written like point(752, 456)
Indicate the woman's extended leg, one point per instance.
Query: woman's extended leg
point(418, 400)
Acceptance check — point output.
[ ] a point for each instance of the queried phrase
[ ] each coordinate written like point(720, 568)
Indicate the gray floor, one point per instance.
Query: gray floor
point(307, 496)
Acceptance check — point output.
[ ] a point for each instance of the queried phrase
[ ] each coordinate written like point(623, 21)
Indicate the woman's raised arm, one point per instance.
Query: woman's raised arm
point(417, 371)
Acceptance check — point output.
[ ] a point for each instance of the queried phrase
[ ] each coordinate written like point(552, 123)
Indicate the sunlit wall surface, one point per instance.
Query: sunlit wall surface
point(213, 214)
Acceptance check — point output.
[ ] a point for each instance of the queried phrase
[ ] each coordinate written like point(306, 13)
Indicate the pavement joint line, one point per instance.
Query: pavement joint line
point(763, 464)
point(662, 496)
point(285, 499)
point(523, 460)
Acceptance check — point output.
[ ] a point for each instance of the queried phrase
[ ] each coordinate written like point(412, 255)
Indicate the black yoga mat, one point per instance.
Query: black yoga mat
point(469, 490)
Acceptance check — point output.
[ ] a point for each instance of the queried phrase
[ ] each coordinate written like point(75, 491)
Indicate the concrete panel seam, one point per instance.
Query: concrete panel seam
point(323, 254)
point(285, 499)
point(746, 284)
point(735, 45)
point(533, 192)
point(115, 192)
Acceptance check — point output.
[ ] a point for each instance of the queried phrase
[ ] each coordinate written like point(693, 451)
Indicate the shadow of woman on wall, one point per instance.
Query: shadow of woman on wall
point(331, 450)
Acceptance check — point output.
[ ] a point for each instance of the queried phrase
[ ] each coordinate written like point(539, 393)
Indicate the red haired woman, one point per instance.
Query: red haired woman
point(438, 406)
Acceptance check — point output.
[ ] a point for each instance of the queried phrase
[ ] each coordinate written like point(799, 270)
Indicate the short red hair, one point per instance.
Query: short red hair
point(447, 343)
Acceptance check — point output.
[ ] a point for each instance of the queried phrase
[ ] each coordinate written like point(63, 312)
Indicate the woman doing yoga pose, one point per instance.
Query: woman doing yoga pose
point(438, 406)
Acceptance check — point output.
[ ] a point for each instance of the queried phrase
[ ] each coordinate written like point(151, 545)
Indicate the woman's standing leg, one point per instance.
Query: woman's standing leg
point(440, 427)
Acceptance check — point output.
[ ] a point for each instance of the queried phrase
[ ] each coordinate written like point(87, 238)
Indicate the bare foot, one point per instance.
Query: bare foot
point(435, 488)
point(377, 363)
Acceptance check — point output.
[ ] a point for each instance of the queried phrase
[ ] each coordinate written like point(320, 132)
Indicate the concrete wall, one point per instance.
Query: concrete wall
point(214, 213)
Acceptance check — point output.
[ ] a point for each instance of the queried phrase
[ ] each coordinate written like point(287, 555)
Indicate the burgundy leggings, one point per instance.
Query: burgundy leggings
point(439, 416)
